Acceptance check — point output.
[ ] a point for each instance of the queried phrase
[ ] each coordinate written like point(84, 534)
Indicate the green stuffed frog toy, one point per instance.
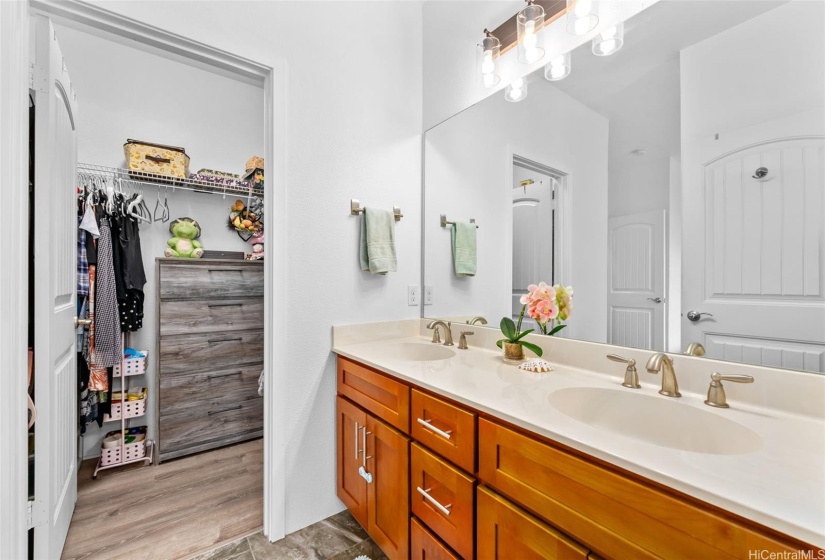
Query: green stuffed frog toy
point(183, 245)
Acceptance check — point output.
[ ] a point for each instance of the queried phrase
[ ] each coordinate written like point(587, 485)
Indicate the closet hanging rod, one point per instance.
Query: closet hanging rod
point(147, 179)
point(444, 221)
point(355, 209)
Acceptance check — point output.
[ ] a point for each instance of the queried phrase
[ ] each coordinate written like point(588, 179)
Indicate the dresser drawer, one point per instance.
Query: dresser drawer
point(384, 397)
point(443, 498)
point(208, 388)
point(190, 430)
point(210, 280)
point(505, 531)
point(447, 429)
point(204, 316)
point(210, 351)
point(616, 515)
point(425, 546)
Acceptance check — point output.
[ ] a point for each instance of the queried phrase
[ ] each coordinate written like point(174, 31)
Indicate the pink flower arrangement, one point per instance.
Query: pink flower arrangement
point(548, 305)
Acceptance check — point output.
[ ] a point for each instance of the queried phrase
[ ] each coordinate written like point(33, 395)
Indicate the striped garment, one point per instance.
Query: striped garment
point(108, 344)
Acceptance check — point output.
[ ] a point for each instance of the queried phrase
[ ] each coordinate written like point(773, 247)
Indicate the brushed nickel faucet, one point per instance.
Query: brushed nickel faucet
point(631, 376)
point(448, 335)
point(695, 349)
point(462, 342)
point(661, 361)
point(716, 392)
point(480, 320)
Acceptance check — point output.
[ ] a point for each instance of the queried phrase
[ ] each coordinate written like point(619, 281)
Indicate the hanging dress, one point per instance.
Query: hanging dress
point(108, 344)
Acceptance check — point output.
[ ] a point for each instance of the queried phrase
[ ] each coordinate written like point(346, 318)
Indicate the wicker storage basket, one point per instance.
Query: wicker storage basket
point(156, 158)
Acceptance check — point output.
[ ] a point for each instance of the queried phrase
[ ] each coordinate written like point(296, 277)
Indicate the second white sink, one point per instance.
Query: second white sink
point(657, 420)
point(416, 351)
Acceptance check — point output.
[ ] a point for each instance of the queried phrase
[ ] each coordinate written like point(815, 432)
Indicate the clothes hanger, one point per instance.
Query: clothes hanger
point(167, 214)
point(137, 209)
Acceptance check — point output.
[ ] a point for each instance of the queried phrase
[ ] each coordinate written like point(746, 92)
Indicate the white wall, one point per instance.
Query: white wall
point(217, 120)
point(468, 176)
point(354, 131)
point(452, 31)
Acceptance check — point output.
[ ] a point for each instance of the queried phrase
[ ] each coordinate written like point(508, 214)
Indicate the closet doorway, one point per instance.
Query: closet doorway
point(228, 82)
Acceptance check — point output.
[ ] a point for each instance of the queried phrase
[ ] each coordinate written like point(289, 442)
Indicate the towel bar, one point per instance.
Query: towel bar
point(355, 209)
point(444, 221)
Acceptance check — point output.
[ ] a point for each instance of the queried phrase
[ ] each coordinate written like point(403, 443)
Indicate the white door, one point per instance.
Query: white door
point(753, 250)
point(636, 299)
point(55, 281)
point(532, 234)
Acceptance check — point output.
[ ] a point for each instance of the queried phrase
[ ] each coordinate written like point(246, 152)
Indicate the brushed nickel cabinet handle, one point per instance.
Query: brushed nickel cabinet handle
point(216, 340)
point(231, 408)
point(225, 305)
point(225, 270)
point(427, 424)
point(356, 441)
point(219, 375)
point(426, 493)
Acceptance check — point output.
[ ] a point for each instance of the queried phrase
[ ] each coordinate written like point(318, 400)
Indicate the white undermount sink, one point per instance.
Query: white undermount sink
point(657, 420)
point(415, 351)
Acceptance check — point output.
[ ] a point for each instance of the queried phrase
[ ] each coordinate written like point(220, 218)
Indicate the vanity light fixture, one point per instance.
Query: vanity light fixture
point(490, 50)
point(516, 91)
point(528, 23)
point(581, 17)
point(558, 68)
point(609, 41)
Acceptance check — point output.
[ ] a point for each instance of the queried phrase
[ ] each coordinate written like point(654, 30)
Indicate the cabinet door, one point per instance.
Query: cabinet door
point(388, 461)
point(352, 488)
point(505, 531)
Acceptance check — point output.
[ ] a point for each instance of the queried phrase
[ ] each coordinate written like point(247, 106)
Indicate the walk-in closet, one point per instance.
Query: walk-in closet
point(160, 162)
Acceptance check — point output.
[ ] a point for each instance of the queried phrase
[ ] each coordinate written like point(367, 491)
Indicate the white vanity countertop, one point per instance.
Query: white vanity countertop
point(782, 485)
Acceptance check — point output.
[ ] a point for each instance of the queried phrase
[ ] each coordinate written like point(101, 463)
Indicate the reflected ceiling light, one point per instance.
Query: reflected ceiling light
point(516, 91)
point(528, 23)
point(558, 68)
point(488, 63)
point(581, 17)
point(609, 41)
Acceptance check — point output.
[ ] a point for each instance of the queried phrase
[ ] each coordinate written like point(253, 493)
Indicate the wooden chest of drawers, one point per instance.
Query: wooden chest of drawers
point(210, 354)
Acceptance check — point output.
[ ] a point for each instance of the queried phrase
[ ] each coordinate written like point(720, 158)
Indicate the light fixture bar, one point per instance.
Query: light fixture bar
point(507, 32)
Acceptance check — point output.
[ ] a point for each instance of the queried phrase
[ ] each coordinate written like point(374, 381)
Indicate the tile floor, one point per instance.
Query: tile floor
point(339, 537)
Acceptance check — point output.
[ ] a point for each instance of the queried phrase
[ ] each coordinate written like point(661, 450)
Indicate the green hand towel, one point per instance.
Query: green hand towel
point(378, 241)
point(463, 236)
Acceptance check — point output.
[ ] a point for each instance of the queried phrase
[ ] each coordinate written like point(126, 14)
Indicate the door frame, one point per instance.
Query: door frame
point(13, 300)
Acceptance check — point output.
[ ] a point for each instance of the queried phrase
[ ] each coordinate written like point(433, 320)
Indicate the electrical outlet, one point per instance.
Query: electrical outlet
point(413, 295)
point(428, 295)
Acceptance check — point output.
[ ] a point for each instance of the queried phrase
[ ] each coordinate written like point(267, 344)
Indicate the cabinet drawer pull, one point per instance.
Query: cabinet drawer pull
point(427, 424)
point(211, 305)
point(356, 441)
point(224, 270)
point(216, 340)
point(236, 407)
point(426, 493)
point(219, 375)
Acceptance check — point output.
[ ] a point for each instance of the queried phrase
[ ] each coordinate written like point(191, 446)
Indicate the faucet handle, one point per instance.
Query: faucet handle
point(436, 336)
point(631, 375)
point(462, 342)
point(716, 392)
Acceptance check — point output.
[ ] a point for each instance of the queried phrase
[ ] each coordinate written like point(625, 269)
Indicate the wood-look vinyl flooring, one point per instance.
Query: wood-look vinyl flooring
point(169, 511)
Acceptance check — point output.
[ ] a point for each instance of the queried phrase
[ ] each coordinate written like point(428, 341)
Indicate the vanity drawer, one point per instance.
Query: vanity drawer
point(203, 280)
point(506, 531)
point(184, 317)
point(384, 397)
point(425, 546)
point(445, 428)
point(616, 515)
point(189, 353)
point(208, 388)
point(448, 507)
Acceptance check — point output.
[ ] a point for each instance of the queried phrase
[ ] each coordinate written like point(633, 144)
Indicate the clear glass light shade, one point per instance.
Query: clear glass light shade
point(558, 68)
point(581, 17)
point(516, 91)
point(609, 41)
point(488, 53)
point(529, 22)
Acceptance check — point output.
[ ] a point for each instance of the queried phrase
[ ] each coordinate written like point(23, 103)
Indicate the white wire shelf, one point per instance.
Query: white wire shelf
point(143, 178)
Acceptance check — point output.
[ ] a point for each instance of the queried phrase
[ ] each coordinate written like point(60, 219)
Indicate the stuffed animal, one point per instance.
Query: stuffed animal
point(257, 242)
point(183, 244)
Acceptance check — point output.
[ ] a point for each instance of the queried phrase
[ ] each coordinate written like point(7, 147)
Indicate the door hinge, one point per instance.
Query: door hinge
point(39, 78)
point(35, 514)
point(31, 76)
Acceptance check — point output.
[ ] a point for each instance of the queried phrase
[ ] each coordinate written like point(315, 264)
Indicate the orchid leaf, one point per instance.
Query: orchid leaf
point(508, 328)
point(522, 335)
point(532, 347)
point(556, 329)
point(500, 342)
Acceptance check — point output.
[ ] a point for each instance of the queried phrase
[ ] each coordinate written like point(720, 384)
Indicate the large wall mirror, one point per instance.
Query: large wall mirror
point(676, 185)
